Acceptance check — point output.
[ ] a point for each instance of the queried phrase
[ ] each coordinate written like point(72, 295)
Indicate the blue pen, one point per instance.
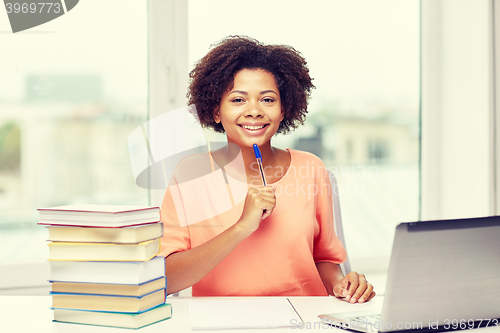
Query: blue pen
point(258, 156)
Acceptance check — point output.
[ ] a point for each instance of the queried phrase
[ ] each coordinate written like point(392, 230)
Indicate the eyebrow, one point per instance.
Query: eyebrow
point(245, 93)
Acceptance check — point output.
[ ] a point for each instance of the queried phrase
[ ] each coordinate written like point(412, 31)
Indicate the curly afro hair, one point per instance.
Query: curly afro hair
point(214, 74)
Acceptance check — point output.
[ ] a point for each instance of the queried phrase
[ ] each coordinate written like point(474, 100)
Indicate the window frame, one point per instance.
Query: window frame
point(168, 64)
point(494, 28)
point(445, 98)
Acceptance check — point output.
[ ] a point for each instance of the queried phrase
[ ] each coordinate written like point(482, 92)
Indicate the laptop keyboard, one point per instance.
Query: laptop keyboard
point(361, 320)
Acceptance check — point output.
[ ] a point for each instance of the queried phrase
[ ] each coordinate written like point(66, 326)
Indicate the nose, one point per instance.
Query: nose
point(254, 109)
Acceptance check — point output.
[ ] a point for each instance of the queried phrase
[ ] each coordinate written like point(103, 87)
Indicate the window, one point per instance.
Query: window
point(364, 114)
point(71, 92)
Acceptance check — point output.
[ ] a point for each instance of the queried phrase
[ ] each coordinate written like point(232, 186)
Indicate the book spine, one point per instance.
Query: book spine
point(125, 312)
point(106, 295)
point(113, 283)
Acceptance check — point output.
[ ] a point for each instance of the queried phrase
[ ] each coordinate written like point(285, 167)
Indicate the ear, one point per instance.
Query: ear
point(282, 114)
point(216, 115)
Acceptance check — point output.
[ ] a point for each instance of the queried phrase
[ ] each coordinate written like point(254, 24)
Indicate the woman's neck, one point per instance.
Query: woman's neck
point(267, 151)
point(247, 169)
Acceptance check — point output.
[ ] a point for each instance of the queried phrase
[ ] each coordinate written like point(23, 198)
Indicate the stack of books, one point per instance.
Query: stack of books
point(104, 265)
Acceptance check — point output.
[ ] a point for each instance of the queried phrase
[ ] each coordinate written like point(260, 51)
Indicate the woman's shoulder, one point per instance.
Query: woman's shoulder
point(306, 165)
point(303, 157)
point(191, 167)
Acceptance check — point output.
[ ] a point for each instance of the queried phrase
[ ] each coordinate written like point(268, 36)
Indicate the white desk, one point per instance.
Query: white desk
point(33, 314)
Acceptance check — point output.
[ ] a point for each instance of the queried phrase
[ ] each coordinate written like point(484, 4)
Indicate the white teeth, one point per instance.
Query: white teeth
point(252, 127)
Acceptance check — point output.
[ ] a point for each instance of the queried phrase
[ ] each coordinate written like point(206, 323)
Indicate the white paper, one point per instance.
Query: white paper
point(210, 314)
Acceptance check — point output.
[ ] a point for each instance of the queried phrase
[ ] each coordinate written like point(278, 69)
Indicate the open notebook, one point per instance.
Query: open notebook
point(213, 314)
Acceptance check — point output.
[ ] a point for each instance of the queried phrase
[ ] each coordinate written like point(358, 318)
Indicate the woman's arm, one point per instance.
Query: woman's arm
point(184, 269)
point(330, 274)
point(353, 286)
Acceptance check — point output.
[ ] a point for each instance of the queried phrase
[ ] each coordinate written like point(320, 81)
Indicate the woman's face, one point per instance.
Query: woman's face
point(250, 111)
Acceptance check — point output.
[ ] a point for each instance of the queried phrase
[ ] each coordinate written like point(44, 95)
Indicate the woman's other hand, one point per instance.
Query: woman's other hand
point(259, 204)
point(355, 288)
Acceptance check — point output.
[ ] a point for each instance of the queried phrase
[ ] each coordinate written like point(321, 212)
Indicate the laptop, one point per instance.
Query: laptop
point(443, 275)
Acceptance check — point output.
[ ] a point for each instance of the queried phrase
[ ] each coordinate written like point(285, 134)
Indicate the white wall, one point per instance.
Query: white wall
point(456, 105)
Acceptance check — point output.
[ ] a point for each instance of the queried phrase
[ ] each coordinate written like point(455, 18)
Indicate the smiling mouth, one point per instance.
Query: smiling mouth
point(253, 128)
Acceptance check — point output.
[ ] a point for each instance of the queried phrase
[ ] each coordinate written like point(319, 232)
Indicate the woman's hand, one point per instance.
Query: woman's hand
point(354, 288)
point(259, 204)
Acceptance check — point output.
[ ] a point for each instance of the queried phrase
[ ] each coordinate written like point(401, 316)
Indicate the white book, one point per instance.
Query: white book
point(111, 303)
point(109, 288)
point(107, 272)
point(103, 251)
point(126, 235)
point(122, 320)
point(99, 215)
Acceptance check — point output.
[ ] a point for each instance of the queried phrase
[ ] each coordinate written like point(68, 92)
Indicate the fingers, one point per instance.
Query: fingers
point(353, 286)
point(340, 289)
point(263, 198)
point(371, 296)
point(266, 191)
point(267, 207)
point(262, 193)
point(367, 294)
point(358, 289)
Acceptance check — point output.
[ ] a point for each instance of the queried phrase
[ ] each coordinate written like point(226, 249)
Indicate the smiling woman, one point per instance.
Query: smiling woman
point(251, 111)
point(246, 250)
point(364, 111)
point(289, 79)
